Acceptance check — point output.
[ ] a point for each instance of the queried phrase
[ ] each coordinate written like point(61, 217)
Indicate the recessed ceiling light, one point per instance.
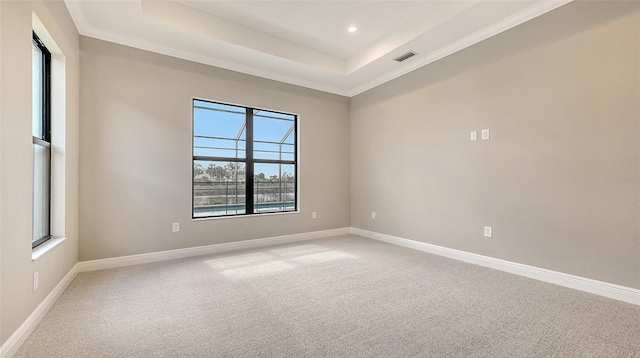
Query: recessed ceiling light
point(353, 29)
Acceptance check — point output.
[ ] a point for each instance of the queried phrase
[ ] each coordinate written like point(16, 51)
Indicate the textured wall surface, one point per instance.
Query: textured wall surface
point(557, 181)
point(136, 152)
point(17, 298)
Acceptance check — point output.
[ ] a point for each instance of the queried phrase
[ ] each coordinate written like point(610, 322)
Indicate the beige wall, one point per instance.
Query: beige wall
point(561, 97)
point(17, 299)
point(136, 152)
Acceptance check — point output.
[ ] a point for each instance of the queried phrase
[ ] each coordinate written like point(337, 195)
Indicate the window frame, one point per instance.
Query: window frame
point(45, 139)
point(249, 161)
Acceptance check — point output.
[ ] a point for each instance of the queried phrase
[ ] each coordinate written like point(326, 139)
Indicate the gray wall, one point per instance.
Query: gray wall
point(136, 152)
point(561, 97)
point(17, 298)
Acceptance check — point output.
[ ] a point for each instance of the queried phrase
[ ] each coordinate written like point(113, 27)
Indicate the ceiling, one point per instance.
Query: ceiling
point(305, 43)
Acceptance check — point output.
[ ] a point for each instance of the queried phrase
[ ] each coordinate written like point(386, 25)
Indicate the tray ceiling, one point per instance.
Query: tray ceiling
point(305, 43)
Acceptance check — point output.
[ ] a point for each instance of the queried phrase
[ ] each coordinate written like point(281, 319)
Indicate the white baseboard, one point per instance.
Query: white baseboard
point(204, 250)
point(11, 346)
point(622, 293)
point(617, 292)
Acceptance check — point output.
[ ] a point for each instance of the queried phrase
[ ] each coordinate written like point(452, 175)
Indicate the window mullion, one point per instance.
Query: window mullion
point(41, 142)
point(249, 168)
point(218, 159)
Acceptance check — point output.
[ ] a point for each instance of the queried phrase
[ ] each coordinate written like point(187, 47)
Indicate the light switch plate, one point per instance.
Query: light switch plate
point(485, 134)
point(474, 135)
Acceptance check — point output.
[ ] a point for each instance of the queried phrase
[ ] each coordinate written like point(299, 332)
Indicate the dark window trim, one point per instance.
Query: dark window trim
point(45, 140)
point(249, 160)
point(249, 166)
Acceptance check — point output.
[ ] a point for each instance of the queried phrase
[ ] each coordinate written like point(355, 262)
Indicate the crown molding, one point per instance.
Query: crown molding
point(537, 9)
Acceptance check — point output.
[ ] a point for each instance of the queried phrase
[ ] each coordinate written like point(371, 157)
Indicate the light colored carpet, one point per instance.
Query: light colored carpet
point(339, 297)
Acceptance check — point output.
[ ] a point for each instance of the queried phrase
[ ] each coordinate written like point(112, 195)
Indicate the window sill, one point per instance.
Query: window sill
point(41, 250)
point(245, 216)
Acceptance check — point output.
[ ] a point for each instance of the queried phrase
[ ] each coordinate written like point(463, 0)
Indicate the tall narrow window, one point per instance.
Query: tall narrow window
point(244, 160)
point(41, 121)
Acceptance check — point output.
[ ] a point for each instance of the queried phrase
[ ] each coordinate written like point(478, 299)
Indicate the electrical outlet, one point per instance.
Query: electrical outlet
point(485, 134)
point(176, 227)
point(474, 135)
point(373, 214)
point(314, 215)
point(36, 282)
point(488, 231)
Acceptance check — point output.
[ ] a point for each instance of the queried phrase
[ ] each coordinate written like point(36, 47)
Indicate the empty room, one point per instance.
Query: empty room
point(426, 178)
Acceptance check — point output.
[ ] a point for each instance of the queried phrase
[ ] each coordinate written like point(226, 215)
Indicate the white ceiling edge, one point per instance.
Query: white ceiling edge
point(87, 30)
point(538, 9)
point(190, 56)
point(512, 21)
point(410, 30)
point(186, 18)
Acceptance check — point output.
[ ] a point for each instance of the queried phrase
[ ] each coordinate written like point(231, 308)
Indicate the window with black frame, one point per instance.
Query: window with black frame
point(244, 160)
point(41, 121)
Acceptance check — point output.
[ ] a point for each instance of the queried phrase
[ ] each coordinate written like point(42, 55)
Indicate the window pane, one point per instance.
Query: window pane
point(263, 150)
point(270, 132)
point(225, 148)
point(218, 188)
point(218, 130)
point(288, 152)
point(41, 188)
point(36, 79)
point(274, 187)
point(220, 183)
